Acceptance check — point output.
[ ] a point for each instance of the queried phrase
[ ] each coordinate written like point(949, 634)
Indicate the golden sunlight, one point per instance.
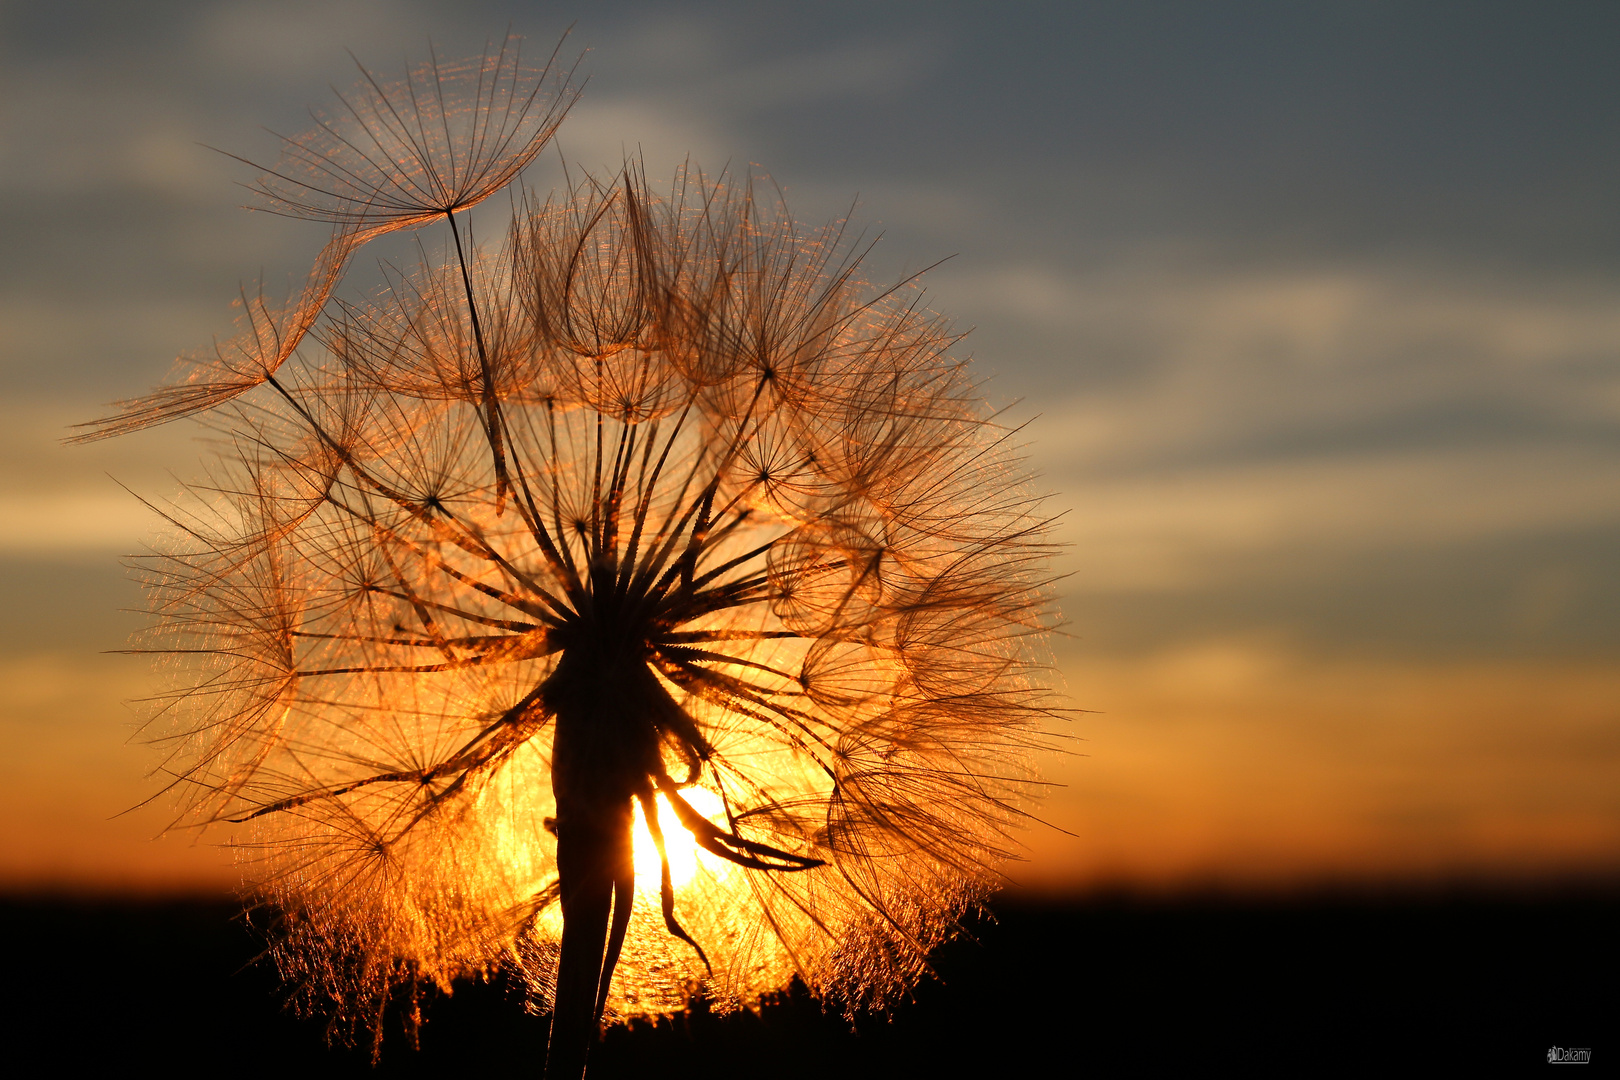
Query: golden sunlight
point(678, 843)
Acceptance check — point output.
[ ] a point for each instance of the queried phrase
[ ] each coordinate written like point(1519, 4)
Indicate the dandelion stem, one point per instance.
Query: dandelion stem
point(492, 408)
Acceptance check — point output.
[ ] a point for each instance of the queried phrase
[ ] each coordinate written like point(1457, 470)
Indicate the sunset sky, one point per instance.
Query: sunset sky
point(1312, 311)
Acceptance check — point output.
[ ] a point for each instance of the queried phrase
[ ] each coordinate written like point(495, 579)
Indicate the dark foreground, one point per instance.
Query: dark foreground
point(1112, 987)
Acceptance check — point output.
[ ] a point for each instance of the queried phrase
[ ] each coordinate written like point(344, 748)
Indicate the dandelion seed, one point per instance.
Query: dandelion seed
point(266, 336)
point(654, 526)
point(397, 154)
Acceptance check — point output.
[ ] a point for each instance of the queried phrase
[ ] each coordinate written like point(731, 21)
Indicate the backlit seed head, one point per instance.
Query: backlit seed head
point(656, 513)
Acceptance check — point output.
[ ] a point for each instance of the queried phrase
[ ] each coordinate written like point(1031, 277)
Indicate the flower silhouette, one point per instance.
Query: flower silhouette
point(653, 538)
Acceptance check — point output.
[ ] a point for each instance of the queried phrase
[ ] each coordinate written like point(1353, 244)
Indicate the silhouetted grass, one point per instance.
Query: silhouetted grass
point(1112, 985)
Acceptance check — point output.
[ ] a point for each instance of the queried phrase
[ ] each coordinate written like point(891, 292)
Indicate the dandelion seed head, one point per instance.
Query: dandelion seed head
point(653, 524)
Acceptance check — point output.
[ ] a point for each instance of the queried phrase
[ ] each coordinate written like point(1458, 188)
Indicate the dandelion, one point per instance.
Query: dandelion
point(644, 606)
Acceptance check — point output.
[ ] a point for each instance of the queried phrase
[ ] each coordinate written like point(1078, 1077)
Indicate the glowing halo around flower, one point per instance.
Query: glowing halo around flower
point(656, 514)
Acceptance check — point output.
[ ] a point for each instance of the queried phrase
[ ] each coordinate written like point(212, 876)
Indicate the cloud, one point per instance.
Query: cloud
point(1195, 308)
point(743, 72)
point(112, 522)
point(602, 132)
point(851, 69)
point(1210, 362)
point(73, 129)
point(39, 330)
point(1343, 406)
point(1172, 529)
point(67, 500)
point(295, 41)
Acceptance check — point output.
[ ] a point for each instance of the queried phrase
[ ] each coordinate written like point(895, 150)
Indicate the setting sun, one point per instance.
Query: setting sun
point(678, 843)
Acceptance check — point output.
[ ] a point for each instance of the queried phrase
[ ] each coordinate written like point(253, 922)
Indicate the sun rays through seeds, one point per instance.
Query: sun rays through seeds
point(644, 605)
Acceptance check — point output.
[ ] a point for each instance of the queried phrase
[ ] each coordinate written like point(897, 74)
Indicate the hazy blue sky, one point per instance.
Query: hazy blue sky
point(1314, 307)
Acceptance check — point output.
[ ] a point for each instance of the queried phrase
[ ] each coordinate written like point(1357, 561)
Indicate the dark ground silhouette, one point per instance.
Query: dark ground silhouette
point(1109, 986)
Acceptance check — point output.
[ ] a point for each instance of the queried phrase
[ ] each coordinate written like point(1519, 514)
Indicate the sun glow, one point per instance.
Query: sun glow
point(678, 843)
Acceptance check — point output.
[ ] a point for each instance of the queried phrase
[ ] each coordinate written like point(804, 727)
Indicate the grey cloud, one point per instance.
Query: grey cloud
point(1290, 288)
point(295, 42)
